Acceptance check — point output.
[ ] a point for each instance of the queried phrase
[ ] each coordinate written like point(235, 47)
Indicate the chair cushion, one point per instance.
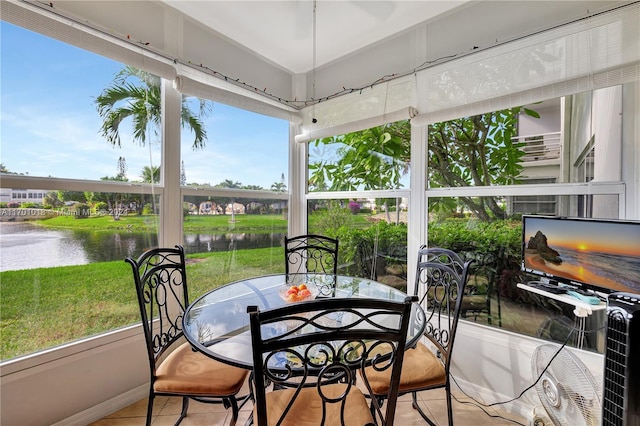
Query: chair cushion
point(307, 408)
point(420, 369)
point(188, 372)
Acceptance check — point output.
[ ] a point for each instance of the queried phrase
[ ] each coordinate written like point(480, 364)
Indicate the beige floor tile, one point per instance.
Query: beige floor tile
point(140, 408)
point(406, 415)
point(133, 414)
point(194, 419)
point(174, 406)
point(464, 414)
point(121, 421)
point(167, 410)
point(242, 418)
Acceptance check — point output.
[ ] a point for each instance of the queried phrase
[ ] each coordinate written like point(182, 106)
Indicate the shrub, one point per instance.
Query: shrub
point(30, 205)
point(354, 207)
point(496, 246)
point(387, 238)
point(329, 221)
point(101, 206)
point(81, 210)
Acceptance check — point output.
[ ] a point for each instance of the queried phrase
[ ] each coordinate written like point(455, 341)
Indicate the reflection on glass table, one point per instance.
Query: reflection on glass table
point(217, 323)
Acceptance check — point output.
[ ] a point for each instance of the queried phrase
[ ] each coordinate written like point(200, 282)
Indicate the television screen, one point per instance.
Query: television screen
point(601, 254)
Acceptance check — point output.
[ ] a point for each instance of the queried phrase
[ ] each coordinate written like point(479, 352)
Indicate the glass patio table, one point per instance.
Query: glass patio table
point(217, 323)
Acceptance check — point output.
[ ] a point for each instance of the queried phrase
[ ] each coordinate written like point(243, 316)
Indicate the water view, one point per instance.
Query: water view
point(27, 246)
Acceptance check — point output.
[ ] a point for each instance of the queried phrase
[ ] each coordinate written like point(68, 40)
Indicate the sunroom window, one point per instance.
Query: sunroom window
point(498, 181)
point(235, 196)
point(79, 192)
point(370, 170)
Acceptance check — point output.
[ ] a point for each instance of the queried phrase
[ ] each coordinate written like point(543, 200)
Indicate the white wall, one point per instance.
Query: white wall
point(548, 122)
point(77, 383)
point(489, 364)
point(495, 366)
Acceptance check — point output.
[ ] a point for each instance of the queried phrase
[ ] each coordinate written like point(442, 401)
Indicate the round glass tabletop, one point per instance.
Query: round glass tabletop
point(217, 323)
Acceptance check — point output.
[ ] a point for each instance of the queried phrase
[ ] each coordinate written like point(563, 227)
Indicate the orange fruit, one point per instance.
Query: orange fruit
point(304, 293)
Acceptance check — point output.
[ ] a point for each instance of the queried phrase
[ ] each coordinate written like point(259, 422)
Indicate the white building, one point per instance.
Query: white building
point(9, 195)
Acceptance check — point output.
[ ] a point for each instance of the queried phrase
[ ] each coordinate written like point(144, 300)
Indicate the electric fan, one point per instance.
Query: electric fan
point(568, 391)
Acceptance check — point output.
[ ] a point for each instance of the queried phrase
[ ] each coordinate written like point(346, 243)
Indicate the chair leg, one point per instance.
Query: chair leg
point(149, 409)
point(185, 407)
point(449, 407)
point(416, 406)
point(233, 403)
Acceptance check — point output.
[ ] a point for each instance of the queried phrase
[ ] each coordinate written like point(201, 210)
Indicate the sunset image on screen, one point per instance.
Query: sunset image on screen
point(599, 253)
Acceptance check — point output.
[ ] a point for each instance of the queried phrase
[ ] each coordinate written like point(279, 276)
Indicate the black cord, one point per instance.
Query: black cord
point(480, 405)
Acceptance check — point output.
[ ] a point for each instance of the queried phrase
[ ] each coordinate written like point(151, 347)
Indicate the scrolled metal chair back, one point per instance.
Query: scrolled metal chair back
point(441, 277)
point(321, 345)
point(311, 253)
point(161, 287)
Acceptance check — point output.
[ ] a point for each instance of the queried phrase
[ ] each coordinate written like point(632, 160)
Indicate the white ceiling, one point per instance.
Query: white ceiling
point(282, 31)
point(267, 46)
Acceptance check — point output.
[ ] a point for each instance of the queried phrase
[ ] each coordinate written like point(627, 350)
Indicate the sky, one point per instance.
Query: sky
point(49, 125)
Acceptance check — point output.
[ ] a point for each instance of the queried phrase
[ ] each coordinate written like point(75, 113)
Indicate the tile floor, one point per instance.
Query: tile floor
point(166, 411)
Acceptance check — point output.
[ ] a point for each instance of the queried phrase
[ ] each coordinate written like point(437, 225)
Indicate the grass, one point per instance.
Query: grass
point(192, 223)
point(45, 307)
point(149, 223)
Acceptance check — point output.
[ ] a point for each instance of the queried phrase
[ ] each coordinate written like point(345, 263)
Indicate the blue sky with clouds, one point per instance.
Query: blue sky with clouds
point(49, 125)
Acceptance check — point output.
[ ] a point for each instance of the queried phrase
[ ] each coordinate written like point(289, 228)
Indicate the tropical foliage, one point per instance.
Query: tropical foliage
point(476, 151)
point(471, 151)
point(375, 158)
point(135, 95)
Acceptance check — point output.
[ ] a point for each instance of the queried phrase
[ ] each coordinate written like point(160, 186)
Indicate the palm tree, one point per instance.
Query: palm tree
point(150, 174)
point(278, 187)
point(228, 183)
point(135, 94)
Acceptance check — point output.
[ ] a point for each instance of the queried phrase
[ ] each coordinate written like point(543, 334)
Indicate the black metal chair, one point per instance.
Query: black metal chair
point(176, 369)
point(480, 289)
point(441, 277)
point(316, 349)
point(311, 253)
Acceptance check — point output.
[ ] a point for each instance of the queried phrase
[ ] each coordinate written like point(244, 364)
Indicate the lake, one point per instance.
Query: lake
point(27, 246)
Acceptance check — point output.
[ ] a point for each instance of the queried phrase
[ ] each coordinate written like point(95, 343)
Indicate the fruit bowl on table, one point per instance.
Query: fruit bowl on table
point(298, 293)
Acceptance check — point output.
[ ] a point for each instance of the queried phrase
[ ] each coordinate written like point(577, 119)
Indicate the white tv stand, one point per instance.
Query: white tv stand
point(581, 309)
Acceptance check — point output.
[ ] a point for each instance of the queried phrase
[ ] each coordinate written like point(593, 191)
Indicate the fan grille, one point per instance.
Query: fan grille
point(567, 389)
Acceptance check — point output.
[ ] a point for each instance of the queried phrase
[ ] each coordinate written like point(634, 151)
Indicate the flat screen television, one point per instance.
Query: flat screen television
point(601, 255)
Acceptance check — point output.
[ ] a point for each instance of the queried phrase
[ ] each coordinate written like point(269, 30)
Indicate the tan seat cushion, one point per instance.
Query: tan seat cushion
point(307, 409)
point(420, 369)
point(185, 371)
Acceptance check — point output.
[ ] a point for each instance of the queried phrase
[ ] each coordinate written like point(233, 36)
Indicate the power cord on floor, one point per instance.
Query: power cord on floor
point(481, 405)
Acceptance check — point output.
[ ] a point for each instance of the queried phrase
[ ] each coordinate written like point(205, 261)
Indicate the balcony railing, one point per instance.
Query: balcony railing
point(544, 146)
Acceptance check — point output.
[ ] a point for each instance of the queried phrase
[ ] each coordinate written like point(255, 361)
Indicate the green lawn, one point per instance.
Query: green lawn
point(245, 223)
point(45, 307)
